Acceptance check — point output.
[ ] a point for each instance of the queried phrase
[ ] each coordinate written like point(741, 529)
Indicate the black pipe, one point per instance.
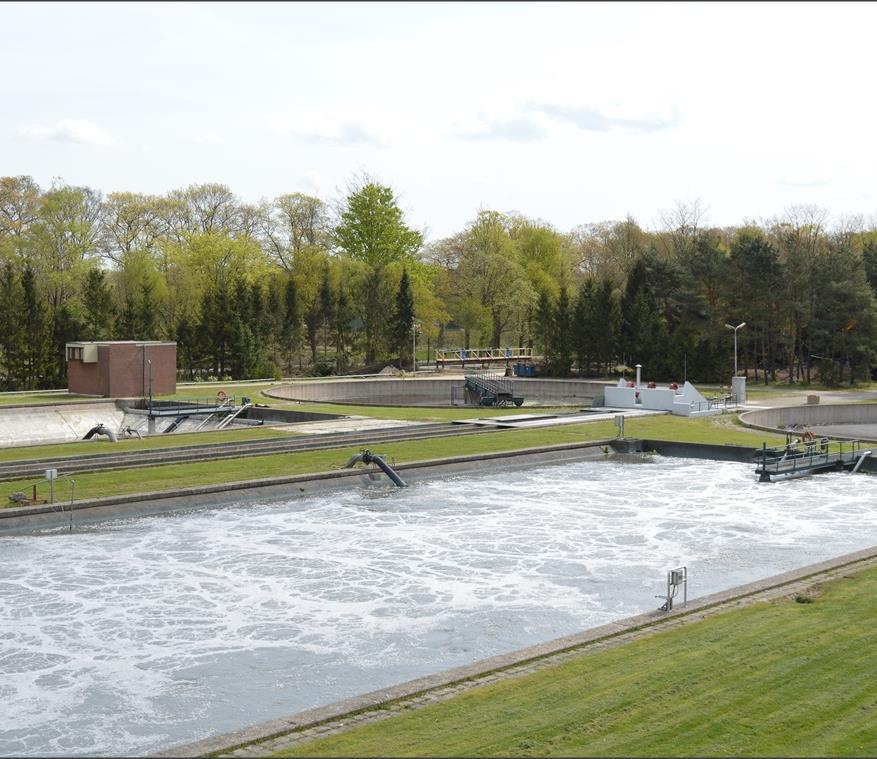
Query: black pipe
point(368, 457)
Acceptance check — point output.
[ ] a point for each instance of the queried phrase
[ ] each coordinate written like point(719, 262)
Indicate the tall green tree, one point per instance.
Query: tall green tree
point(403, 320)
point(372, 230)
point(13, 335)
point(98, 308)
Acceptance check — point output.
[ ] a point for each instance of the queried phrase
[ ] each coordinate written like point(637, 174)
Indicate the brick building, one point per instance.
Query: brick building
point(122, 368)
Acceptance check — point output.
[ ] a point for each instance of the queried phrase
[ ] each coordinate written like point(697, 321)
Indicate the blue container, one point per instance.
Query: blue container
point(530, 371)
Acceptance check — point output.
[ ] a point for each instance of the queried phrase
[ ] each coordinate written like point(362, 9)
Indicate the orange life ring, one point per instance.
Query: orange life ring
point(221, 395)
point(808, 437)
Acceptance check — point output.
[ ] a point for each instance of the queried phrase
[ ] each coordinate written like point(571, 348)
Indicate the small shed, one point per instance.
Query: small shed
point(122, 368)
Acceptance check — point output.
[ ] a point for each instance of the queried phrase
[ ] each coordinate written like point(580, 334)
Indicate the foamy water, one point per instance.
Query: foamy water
point(132, 636)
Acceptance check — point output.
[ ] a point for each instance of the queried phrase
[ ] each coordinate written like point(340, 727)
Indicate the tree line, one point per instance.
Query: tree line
point(299, 285)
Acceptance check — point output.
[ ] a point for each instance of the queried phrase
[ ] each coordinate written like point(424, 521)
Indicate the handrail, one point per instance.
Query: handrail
point(482, 354)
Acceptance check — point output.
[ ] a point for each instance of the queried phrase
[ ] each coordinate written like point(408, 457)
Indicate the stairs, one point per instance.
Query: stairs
point(492, 389)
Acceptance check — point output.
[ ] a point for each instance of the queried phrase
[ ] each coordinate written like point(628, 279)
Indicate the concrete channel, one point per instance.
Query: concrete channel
point(18, 519)
point(434, 391)
point(301, 727)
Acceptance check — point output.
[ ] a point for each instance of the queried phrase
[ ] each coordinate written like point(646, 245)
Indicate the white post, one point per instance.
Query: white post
point(638, 367)
point(413, 346)
point(735, 352)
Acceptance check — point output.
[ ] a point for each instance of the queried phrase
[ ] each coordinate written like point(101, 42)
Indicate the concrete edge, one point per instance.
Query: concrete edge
point(137, 504)
point(782, 430)
point(380, 698)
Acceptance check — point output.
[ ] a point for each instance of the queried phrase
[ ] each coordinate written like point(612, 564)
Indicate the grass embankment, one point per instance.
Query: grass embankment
point(172, 476)
point(127, 445)
point(16, 399)
point(772, 679)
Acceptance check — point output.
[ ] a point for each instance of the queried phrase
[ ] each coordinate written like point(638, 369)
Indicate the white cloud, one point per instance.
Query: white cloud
point(516, 129)
point(69, 131)
point(328, 130)
point(211, 138)
point(593, 120)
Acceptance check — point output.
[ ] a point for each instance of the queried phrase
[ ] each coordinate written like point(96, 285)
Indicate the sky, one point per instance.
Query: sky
point(571, 113)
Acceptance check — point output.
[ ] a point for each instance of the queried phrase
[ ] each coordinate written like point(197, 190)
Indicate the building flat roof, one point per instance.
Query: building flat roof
point(81, 343)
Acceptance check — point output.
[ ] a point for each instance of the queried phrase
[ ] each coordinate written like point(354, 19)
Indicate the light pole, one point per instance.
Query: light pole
point(414, 346)
point(741, 324)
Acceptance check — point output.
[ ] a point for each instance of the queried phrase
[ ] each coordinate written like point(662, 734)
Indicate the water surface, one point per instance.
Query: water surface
point(135, 635)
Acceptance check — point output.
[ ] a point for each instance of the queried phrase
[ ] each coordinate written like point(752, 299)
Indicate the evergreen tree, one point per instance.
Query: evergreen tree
point(607, 321)
point(585, 328)
point(544, 328)
point(341, 321)
point(34, 322)
point(185, 336)
point(326, 307)
point(128, 323)
point(291, 318)
point(216, 331)
point(563, 335)
point(13, 338)
point(403, 320)
point(65, 328)
point(98, 308)
point(146, 312)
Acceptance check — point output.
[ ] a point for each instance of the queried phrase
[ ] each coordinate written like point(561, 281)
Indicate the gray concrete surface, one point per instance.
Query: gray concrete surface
point(433, 390)
point(854, 420)
point(32, 425)
point(19, 519)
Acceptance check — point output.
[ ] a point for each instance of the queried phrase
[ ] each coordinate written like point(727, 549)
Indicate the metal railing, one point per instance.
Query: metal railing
point(799, 457)
point(483, 354)
point(495, 384)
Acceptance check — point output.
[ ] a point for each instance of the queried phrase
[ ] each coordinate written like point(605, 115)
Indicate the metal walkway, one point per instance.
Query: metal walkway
point(798, 459)
point(492, 389)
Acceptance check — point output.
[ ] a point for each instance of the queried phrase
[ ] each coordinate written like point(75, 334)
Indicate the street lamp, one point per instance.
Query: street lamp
point(741, 324)
point(414, 346)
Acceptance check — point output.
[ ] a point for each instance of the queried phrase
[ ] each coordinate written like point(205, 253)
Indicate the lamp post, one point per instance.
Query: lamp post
point(413, 346)
point(741, 324)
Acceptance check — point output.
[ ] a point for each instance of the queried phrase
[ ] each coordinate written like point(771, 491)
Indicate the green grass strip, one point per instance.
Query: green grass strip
point(772, 679)
point(90, 447)
point(173, 476)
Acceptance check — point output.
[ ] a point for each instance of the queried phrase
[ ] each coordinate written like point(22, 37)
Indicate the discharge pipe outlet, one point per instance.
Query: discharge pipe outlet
point(100, 429)
point(367, 457)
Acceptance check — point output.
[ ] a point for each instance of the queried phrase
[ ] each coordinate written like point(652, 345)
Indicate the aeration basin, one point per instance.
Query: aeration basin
point(132, 636)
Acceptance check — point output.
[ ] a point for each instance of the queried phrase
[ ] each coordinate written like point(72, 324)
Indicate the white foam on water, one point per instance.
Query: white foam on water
point(135, 635)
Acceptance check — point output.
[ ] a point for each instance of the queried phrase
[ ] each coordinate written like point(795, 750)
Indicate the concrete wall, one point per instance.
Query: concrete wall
point(35, 517)
point(811, 416)
point(32, 425)
point(432, 390)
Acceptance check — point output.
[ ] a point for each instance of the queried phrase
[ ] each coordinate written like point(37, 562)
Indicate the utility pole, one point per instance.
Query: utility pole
point(413, 346)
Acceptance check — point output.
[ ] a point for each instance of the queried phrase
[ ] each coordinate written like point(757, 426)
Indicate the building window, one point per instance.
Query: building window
point(74, 353)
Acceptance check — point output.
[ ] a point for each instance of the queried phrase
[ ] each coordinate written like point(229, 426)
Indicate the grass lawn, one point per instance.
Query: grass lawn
point(772, 679)
point(126, 445)
point(171, 476)
point(36, 396)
